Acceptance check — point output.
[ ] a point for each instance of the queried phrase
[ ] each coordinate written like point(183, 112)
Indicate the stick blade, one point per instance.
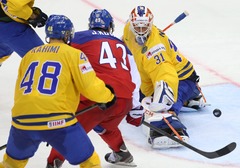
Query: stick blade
point(221, 152)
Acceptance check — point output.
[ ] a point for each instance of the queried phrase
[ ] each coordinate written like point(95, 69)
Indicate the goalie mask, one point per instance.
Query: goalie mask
point(59, 27)
point(141, 20)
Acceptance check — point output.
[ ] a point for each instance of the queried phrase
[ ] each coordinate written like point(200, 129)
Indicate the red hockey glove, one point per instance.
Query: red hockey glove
point(40, 19)
point(136, 116)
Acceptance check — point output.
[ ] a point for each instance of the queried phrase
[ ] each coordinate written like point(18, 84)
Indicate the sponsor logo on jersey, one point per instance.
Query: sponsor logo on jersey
point(56, 123)
point(85, 68)
point(154, 50)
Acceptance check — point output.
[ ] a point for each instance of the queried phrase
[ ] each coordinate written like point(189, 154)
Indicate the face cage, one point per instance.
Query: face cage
point(140, 36)
point(68, 38)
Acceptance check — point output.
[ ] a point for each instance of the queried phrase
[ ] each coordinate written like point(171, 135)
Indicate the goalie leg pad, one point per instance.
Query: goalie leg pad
point(159, 141)
point(165, 142)
point(172, 120)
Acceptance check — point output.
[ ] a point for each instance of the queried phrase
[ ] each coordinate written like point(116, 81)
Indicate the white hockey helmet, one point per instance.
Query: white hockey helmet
point(141, 20)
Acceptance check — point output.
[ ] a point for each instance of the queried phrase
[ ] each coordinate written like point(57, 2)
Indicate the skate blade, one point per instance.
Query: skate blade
point(132, 164)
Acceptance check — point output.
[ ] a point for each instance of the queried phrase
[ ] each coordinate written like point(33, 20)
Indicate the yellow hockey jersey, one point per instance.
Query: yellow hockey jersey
point(18, 10)
point(50, 80)
point(159, 59)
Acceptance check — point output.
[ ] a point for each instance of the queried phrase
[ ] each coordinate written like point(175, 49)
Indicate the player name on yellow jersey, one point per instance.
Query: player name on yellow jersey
point(46, 48)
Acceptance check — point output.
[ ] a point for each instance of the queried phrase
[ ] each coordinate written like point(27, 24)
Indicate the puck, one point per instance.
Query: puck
point(217, 112)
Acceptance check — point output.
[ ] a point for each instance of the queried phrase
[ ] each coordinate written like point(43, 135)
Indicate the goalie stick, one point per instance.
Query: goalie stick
point(178, 19)
point(210, 155)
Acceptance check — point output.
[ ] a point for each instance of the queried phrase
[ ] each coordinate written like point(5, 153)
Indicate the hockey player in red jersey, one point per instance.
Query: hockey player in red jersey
point(110, 59)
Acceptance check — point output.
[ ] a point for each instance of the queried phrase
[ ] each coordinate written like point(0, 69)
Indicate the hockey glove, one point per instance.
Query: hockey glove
point(136, 116)
point(39, 20)
point(104, 106)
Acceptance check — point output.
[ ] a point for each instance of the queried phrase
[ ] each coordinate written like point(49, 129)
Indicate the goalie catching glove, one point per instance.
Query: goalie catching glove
point(40, 18)
point(163, 98)
point(104, 106)
point(136, 116)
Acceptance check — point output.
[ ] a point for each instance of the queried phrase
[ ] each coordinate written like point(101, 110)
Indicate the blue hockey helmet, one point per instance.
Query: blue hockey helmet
point(101, 18)
point(59, 27)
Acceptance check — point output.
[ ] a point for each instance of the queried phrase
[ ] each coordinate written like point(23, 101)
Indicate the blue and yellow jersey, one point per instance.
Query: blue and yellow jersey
point(50, 80)
point(18, 10)
point(159, 59)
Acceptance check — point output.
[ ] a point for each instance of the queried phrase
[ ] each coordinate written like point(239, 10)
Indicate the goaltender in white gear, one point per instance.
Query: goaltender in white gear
point(158, 58)
point(156, 110)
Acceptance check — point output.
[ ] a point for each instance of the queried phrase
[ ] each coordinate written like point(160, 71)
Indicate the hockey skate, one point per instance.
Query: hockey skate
point(123, 157)
point(57, 163)
point(158, 141)
point(196, 103)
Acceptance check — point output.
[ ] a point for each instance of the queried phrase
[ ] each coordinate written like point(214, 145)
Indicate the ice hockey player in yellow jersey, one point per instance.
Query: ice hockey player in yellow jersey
point(166, 75)
point(17, 21)
point(50, 79)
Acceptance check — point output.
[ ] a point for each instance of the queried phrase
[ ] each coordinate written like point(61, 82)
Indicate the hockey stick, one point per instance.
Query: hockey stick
point(86, 109)
point(178, 19)
point(3, 147)
point(211, 155)
point(76, 114)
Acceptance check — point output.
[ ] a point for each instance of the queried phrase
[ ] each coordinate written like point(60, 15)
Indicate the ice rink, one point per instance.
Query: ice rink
point(209, 37)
